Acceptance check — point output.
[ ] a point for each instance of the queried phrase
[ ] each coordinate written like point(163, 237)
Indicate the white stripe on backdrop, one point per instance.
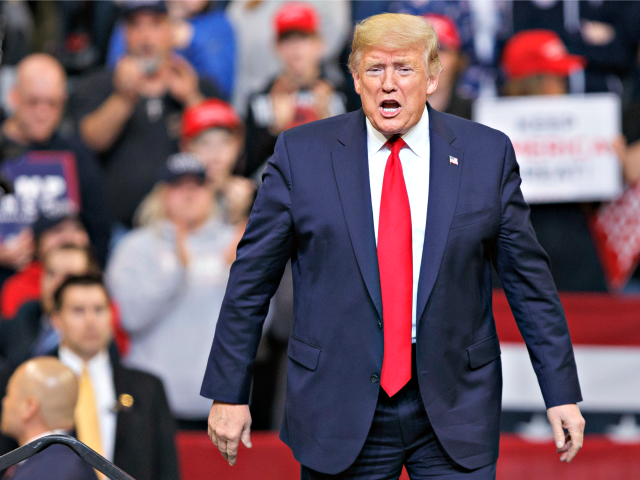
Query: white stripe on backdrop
point(609, 378)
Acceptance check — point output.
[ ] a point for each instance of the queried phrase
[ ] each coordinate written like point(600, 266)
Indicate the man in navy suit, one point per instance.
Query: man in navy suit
point(40, 400)
point(392, 217)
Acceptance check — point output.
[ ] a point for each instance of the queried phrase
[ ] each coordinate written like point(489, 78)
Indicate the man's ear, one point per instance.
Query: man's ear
point(356, 81)
point(433, 84)
point(29, 409)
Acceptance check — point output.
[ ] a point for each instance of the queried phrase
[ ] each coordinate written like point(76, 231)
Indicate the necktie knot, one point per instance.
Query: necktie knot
point(395, 144)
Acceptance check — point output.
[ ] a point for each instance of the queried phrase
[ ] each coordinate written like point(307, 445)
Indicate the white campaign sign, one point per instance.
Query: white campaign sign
point(562, 144)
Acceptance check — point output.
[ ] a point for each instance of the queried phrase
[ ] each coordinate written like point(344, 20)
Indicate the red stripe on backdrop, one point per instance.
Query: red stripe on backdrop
point(270, 459)
point(594, 319)
point(599, 459)
point(267, 459)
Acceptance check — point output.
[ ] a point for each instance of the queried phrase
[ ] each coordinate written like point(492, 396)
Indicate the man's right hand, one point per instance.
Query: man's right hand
point(127, 78)
point(229, 424)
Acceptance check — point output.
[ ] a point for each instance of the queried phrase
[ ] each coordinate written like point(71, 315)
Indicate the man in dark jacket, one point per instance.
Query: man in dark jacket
point(131, 116)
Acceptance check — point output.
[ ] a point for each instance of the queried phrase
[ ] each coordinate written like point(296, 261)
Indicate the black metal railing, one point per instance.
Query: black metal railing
point(97, 461)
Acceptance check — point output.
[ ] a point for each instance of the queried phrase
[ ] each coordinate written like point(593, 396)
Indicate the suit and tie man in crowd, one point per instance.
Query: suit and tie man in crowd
point(40, 400)
point(392, 217)
point(122, 413)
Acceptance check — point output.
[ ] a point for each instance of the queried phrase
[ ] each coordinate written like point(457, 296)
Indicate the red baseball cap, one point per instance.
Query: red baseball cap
point(536, 52)
point(296, 17)
point(211, 113)
point(446, 29)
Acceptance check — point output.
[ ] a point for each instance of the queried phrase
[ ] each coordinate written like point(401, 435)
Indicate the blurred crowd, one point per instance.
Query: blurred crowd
point(132, 142)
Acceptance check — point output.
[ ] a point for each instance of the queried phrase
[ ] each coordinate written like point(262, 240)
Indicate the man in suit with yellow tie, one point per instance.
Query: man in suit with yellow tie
point(121, 413)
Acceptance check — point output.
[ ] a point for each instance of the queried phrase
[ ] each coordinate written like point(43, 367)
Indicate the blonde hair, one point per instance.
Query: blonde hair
point(395, 31)
point(151, 209)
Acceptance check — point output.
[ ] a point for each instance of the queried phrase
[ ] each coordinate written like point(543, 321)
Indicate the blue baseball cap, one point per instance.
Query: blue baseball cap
point(130, 7)
point(183, 164)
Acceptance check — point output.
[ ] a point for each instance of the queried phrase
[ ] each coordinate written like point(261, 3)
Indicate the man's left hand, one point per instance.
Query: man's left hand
point(569, 417)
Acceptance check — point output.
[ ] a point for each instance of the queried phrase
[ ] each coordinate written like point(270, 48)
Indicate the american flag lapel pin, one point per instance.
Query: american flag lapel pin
point(453, 160)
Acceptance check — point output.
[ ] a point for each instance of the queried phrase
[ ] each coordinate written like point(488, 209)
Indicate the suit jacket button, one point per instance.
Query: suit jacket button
point(375, 378)
point(380, 324)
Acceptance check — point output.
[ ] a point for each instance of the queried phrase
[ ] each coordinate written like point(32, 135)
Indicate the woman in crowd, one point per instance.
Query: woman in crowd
point(169, 277)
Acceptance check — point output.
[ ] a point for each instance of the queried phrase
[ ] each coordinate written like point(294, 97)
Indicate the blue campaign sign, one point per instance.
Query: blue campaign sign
point(44, 183)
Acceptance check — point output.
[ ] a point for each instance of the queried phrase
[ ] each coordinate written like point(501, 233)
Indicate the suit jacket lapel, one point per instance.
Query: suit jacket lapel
point(122, 425)
point(444, 181)
point(120, 388)
point(351, 169)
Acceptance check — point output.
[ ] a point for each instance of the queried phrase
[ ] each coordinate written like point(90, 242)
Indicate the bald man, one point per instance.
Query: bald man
point(38, 101)
point(40, 400)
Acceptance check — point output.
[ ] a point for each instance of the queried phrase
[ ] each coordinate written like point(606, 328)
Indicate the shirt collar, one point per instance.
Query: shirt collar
point(76, 363)
point(417, 138)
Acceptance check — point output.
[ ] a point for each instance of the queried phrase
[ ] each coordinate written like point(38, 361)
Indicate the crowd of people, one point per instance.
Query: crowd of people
point(133, 139)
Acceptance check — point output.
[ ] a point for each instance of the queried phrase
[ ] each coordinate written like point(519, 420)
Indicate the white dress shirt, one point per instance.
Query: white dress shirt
point(101, 374)
point(415, 168)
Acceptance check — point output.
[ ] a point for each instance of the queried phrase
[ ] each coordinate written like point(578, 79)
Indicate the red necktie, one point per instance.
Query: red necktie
point(396, 272)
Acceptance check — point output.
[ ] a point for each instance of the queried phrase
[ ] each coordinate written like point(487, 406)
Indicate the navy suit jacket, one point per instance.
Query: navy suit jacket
point(57, 462)
point(314, 208)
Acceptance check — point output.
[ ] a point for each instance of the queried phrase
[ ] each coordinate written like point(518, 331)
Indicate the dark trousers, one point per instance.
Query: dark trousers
point(401, 434)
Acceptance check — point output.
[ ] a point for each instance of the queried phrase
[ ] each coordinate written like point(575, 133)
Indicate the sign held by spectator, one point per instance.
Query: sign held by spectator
point(44, 184)
point(562, 144)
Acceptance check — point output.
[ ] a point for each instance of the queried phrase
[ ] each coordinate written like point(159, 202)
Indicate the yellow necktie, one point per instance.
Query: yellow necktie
point(86, 413)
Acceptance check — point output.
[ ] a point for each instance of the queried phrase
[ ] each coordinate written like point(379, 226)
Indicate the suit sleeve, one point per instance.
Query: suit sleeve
point(255, 275)
point(523, 268)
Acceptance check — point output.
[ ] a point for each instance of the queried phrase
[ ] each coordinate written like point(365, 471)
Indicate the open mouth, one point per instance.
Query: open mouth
point(389, 108)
